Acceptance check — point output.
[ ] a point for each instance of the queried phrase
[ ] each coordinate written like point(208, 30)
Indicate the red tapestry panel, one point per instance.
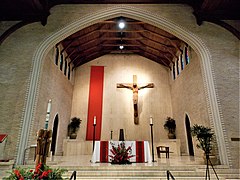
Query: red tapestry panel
point(95, 102)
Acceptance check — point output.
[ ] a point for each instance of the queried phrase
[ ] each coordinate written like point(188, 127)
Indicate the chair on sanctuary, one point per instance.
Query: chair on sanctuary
point(163, 149)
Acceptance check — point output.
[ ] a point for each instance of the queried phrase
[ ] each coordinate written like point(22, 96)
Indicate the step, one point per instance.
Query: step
point(108, 172)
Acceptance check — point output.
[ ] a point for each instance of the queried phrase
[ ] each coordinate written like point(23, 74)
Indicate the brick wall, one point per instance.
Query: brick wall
point(188, 98)
point(17, 53)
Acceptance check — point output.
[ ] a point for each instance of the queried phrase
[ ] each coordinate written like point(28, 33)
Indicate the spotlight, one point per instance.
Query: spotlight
point(121, 25)
point(121, 47)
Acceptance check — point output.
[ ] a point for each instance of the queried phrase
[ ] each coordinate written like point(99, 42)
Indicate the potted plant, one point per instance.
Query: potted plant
point(205, 138)
point(73, 127)
point(170, 125)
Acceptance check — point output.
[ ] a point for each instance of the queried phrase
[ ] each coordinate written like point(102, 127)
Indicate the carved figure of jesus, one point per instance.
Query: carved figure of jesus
point(134, 87)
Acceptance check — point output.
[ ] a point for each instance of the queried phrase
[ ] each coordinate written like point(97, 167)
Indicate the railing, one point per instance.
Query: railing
point(74, 175)
point(169, 174)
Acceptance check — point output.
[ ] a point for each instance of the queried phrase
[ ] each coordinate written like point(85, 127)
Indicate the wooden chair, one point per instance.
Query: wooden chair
point(163, 149)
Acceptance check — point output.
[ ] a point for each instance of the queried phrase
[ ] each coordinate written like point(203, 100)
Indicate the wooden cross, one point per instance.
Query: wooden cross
point(134, 87)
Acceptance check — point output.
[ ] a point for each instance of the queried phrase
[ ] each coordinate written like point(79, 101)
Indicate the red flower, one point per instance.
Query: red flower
point(49, 171)
point(17, 173)
point(38, 167)
point(120, 154)
point(44, 174)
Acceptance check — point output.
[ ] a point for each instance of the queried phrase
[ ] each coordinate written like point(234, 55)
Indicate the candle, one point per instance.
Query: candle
point(94, 120)
point(49, 106)
point(48, 113)
point(151, 120)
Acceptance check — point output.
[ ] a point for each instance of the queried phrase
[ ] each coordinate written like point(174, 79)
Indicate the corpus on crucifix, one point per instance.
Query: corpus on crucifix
point(134, 87)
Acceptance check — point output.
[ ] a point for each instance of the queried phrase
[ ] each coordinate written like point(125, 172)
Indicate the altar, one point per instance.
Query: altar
point(140, 150)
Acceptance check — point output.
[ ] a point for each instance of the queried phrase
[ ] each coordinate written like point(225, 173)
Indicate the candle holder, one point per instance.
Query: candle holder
point(151, 125)
point(94, 126)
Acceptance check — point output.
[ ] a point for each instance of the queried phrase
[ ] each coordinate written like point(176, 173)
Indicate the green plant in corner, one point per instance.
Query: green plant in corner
point(204, 136)
point(170, 125)
point(73, 127)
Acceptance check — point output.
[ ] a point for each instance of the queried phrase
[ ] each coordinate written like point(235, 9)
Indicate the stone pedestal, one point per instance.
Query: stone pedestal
point(73, 147)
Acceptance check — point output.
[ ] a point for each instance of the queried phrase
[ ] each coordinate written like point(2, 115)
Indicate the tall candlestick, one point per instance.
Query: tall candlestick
point(151, 120)
point(94, 120)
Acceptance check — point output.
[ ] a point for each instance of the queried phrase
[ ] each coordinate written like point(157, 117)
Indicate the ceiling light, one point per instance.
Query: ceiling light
point(121, 47)
point(121, 25)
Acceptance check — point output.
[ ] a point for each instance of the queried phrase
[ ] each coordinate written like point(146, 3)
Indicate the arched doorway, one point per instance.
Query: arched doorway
point(137, 13)
point(54, 135)
point(189, 137)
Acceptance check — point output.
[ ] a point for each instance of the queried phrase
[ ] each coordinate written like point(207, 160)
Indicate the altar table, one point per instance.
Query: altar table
point(140, 150)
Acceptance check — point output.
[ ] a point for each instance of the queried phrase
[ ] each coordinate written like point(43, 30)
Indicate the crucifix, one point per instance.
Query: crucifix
point(134, 87)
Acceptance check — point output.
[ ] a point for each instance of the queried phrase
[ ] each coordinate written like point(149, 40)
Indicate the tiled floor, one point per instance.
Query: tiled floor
point(85, 160)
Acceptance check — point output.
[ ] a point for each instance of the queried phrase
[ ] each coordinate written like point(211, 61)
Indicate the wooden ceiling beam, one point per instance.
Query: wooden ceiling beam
point(117, 30)
point(126, 45)
point(154, 58)
point(159, 52)
point(122, 38)
point(159, 56)
point(173, 42)
point(89, 58)
point(163, 50)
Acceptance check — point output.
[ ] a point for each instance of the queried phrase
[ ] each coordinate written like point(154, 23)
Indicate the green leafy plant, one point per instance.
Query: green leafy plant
point(204, 136)
point(73, 126)
point(42, 172)
point(170, 125)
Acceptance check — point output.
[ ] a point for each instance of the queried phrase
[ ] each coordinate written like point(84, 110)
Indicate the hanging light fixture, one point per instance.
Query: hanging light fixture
point(121, 24)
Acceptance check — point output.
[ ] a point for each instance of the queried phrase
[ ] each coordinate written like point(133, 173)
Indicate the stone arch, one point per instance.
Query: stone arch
point(128, 11)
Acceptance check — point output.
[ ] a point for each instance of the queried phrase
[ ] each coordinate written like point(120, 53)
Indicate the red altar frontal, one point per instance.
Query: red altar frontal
point(140, 150)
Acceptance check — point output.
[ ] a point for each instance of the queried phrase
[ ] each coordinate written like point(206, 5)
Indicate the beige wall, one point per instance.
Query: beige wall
point(18, 50)
point(117, 103)
point(188, 98)
point(53, 85)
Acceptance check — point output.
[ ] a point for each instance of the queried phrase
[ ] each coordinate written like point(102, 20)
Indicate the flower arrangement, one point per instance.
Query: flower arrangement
point(121, 154)
point(42, 172)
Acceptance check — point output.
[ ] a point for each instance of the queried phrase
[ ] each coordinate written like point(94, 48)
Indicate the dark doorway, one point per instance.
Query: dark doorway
point(54, 135)
point(189, 136)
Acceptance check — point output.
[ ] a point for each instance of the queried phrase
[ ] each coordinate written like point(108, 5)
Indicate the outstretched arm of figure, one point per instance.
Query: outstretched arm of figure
point(124, 86)
point(150, 85)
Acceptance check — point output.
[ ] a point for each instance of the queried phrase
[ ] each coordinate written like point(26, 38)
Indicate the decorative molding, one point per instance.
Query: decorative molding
point(139, 14)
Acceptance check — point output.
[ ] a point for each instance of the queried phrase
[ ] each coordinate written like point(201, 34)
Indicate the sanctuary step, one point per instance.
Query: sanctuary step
point(131, 172)
point(181, 168)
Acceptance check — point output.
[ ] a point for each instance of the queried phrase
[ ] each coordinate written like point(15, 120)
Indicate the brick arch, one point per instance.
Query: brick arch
point(135, 13)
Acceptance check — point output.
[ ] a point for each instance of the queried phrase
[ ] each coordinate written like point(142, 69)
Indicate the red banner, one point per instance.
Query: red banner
point(95, 102)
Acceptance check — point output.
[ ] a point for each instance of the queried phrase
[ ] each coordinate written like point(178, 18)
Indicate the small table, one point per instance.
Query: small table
point(163, 149)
